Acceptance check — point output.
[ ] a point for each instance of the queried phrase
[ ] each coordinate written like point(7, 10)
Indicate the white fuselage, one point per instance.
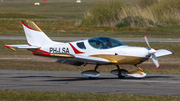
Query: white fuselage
point(119, 55)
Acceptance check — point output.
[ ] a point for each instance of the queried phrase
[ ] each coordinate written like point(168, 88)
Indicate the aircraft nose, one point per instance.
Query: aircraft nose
point(152, 51)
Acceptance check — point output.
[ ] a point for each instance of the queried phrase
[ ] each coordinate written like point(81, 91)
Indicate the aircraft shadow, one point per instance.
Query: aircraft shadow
point(58, 79)
point(81, 79)
point(104, 78)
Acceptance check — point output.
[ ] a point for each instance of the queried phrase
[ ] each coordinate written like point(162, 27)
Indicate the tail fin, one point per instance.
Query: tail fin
point(34, 35)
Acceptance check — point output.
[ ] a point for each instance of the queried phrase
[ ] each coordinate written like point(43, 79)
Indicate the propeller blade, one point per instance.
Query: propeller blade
point(152, 51)
point(147, 41)
point(155, 61)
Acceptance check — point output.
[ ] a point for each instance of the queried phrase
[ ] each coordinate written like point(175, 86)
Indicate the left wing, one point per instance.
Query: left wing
point(80, 59)
point(93, 60)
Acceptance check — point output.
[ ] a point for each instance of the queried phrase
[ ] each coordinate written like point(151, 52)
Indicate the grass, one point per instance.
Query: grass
point(102, 13)
point(10, 95)
point(64, 9)
point(153, 14)
point(18, 15)
point(69, 29)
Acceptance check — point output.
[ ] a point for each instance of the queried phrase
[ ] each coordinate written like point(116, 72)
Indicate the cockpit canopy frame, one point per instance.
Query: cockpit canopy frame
point(105, 43)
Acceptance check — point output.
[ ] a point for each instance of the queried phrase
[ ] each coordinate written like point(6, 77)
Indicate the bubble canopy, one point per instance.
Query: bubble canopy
point(105, 42)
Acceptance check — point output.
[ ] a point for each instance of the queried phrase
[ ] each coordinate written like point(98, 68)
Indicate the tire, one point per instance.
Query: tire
point(119, 74)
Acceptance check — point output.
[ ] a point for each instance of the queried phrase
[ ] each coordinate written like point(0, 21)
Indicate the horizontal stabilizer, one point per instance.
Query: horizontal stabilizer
point(14, 47)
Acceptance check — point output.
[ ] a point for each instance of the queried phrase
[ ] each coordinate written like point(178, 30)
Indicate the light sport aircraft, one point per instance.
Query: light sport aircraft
point(98, 51)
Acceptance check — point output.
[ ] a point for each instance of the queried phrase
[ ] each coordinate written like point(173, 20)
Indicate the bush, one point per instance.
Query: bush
point(137, 21)
point(103, 13)
point(146, 3)
point(148, 13)
point(167, 11)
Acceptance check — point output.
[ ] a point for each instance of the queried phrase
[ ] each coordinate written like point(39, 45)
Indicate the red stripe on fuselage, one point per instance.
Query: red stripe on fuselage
point(75, 50)
point(41, 52)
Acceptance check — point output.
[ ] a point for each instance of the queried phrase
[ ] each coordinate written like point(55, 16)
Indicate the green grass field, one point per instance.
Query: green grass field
point(64, 9)
point(69, 29)
point(62, 20)
point(10, 95)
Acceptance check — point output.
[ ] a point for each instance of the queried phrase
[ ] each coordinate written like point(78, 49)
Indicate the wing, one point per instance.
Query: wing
point(80, 59)
point(92, 60)
point(163, 52)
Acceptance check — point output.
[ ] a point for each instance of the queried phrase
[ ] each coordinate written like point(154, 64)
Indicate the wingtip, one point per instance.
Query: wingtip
point(144, 35)
point(7, 46)
point(12, 48)
point(158, 67)
point(171, 51)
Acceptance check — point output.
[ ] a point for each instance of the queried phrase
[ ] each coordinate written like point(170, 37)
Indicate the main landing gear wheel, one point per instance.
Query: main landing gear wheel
point(91, 74)
point(120, 76)
point(122, 73)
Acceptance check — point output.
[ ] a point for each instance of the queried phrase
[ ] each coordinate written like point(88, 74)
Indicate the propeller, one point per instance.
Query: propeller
point(152, 52)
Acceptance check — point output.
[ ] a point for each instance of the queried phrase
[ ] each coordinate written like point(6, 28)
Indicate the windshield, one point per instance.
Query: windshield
point(105, 42)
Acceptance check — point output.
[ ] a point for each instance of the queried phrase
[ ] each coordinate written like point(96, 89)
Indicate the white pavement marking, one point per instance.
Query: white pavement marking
point(143, 81)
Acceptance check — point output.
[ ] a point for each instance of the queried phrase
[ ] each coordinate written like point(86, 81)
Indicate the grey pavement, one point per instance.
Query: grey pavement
point(74, 82)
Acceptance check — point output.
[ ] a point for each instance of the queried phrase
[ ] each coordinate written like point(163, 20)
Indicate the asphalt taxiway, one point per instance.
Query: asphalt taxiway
point(74, 82)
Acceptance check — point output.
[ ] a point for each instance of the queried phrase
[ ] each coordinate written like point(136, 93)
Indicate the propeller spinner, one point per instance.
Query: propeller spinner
point(152, 52)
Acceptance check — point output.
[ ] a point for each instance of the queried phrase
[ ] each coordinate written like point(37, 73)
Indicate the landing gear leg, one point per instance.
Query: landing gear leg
point(119, 74)
point(96, 67)
point(139, 68)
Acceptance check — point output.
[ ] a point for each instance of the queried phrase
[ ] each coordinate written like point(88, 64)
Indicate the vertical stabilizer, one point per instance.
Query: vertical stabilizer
point(34, 35)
